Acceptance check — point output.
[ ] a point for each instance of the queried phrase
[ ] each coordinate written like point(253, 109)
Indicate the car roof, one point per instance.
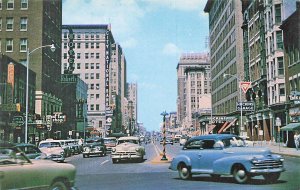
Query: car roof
point(213, 136)
point(24, 144)
point(130, 137)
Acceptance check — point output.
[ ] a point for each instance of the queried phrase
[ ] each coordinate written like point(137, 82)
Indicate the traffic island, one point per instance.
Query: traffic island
point(159, 160)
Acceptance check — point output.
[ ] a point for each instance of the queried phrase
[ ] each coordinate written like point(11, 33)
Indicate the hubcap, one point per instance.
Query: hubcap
point(184, 171)
point(241, 173)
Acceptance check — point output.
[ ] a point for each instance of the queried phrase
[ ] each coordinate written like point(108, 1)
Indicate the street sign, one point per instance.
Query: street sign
point(8, 107)
point(246, 106)
point(245, 86)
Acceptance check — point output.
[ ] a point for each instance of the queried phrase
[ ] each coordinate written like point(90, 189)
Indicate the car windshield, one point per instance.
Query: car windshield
point(49, 144)
point(11, 156)
point(109, 141)
point(128, 141)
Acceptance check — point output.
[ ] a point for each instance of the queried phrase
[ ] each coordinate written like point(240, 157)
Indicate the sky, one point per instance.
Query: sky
point(153, 35)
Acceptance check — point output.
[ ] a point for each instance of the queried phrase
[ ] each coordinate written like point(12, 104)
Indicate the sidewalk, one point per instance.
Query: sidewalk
point(278, 149)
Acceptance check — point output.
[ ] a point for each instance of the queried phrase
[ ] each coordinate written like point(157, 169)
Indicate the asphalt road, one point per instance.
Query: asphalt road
point(101, 173)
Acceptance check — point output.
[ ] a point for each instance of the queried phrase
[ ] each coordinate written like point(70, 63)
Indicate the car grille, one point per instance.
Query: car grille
point(56, 156)
point(125, 153)
point(267, 164)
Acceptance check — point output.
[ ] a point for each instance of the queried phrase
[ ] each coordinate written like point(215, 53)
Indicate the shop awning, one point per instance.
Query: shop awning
point(291, 127)
point(223, 126)
point(230, 124)
point(211, 127)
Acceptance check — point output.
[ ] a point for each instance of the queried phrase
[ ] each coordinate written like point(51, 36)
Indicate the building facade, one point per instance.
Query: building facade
point(132, 97)
point(28, 26)
point(92, 62)
point(193, 83)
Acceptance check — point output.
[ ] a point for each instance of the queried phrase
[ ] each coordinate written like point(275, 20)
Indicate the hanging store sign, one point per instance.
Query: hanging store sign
point(68, 78)
point(107, 67)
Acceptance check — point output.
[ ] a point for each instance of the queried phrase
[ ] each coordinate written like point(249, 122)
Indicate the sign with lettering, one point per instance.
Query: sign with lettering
point(246, 106)
point(107, 67)
point(68, 78)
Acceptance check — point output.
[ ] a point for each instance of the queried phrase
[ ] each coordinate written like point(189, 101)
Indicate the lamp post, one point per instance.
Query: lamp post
point(241, 104)
point(52, 47)
point(164, 114)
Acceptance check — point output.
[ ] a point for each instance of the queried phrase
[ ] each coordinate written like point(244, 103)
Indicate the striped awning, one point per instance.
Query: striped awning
point(230, 124)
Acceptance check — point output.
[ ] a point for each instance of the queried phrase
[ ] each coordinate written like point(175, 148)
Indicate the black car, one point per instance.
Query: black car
point(94, 146)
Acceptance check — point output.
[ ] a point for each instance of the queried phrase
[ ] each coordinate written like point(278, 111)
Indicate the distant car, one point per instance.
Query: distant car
point(168, 141)
point(94, 146)
point(19, 172)
point(110, 143)
point(128, 148)
point(177, 138)
point(226, 154)
point(30, 150)
point(183, 140)
point(52, 150)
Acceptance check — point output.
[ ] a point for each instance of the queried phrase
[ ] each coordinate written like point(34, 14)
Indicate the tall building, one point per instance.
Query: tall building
point(92, 62)
point(193, 83)
point(29, 26)
point(264, 65)
point(132, 92)
point(226, 51)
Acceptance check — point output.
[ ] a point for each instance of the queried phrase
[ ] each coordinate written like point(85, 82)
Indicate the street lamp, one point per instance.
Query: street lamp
point(241, 104)
point(52, 47)
point(164, 114)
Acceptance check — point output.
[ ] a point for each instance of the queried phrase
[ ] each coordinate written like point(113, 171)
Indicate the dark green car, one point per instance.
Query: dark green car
point(30, 150)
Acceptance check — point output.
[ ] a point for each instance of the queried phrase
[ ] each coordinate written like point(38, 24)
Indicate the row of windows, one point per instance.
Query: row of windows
point(88, 45)
point(86, 55)
point(85, 35)
point(9, 45)
point(10, 24)
point(93, 107)
point(10, 4)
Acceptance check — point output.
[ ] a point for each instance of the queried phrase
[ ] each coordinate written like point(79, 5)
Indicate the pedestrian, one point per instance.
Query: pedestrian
point(296, 139)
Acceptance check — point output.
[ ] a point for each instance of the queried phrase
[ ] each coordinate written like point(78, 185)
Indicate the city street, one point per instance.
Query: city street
point(101, 173)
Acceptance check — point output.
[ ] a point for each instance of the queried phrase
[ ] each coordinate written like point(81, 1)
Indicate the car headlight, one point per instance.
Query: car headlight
point(86, 149)
point(254, 160)
point(113, 149)
point(62, 152)
point(97, 148)
point(281, 159)
point(137, 149)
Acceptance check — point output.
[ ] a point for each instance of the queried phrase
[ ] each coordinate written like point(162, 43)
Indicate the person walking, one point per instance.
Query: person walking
point(296, 139)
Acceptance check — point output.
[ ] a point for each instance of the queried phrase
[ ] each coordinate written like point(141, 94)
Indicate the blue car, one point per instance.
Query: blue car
point(226, 154)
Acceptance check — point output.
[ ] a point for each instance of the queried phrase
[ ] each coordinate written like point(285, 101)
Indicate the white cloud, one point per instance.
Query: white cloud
point(184, 5)
point(171, 49)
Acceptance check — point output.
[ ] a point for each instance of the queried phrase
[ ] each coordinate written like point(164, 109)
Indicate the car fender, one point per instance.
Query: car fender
point(180, 159)
point(225, 164)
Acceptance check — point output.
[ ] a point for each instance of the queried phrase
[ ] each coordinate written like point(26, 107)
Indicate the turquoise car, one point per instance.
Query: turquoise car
point(226, 154)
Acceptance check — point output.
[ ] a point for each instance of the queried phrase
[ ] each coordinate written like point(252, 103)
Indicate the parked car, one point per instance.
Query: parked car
point(168, 141)
point(30, 150)
point(18, 171)
point(66, 147)
point(110, 143)
point(128, 148)
point(94, 146)
point(226, 154)
point(52, 150)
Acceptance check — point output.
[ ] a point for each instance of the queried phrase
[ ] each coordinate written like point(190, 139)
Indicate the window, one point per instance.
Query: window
point(97, 45)
point(92, 96)
point(65, 66)
point(86, 76)
point(97, 96)
point(86, 65)
point(0, 4)
point(97, 76)
point(92, 65)
point(86, 55)
point(279, 40)
point(97, 55)
point(65, 45)
point(92, 86)
point(78, 55)
point(92, 75)
point(10, 4)
point(9, 45)
point(78, 65)
point(65, 56)
point(92, 55)
point(97, 86)
point(92, 45)
point(97, 107)
point(86, 45)
point(9, 23)
point(24, 4)
point(23, 45)
point(97, 65)
point(281, 90)
point(92, 107)
point(78, 45)
point(0, 45)
point(23, 24)
point(277, 13)
point(280, 66)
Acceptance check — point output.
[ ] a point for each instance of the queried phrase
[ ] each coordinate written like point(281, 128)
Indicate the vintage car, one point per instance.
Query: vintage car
point(18, 171)
point(52, 150)
point(30, 150)
point(226, 154)
point(70, 146)
point(168, 141)
point(128, 148)
point(110, 143)
point(94, 146)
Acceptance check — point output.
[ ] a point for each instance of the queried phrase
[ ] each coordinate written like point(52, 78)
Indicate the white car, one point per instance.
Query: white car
point(128, 148)
point(52, 150)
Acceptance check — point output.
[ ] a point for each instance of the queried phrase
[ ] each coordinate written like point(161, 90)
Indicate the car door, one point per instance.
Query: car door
point(207, 155)
point(191, 150)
